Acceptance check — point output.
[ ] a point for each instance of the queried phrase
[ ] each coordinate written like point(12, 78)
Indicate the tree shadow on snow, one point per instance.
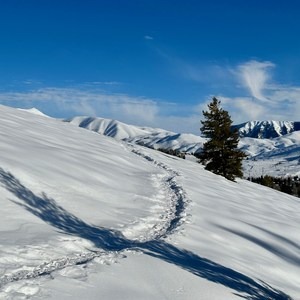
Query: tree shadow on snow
point(244, 286)
point(53, 214)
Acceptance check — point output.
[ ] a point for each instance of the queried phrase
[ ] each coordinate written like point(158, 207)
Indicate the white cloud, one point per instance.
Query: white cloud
point(101, 83)
point(267, 99)
point(243, 109)
point(83, 101)
point(70, 101)
point(213, 74)
point(148, 37)
point(249, 87)
point(254, 75)
point(32, 82)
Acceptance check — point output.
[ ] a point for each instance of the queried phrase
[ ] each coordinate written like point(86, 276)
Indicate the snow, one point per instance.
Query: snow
point(34, 111)
point(112, 128)
point(155, 138)
point(85, 216)
point(277, 157)
point(266, 129)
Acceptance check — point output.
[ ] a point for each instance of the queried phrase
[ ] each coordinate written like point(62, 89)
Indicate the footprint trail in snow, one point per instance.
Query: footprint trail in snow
point(175, 202)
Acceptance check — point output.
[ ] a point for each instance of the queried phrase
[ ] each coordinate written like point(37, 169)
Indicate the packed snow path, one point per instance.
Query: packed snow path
point(114, 244)
point(178, 200)
point(111, 242)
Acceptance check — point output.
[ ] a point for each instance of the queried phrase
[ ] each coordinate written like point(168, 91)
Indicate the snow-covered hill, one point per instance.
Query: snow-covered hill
point(155, 138)
point(112, 128)
point(84, 216)
point(277, 157)
point(266, 129)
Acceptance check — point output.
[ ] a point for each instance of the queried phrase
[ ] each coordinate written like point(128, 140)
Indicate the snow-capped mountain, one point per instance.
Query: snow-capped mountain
point(84, 216)
point(278, 156)
point(266, 129)
point(155, 138)
point(112, 128)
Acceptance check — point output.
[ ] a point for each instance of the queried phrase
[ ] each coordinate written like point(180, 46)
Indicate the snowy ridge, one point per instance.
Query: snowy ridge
point(34, 111)
point(112, 128)
point(276, 156)
point(75, 203)
point(266, 129)
point(151, 137)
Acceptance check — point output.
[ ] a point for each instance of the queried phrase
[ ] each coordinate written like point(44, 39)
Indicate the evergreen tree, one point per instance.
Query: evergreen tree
point(220, 153)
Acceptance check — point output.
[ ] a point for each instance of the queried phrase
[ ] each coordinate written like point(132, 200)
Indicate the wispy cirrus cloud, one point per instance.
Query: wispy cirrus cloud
point(264, 98)
point(254, 75)
point(101, 83)
point(248, 89)
point(148, 37)
point(204, 73)
point(87, 102)
point(257, 96)
point(140, 111)
point(73, 101)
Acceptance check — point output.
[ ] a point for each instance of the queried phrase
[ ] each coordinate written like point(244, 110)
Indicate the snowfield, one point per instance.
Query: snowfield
point(85, 216)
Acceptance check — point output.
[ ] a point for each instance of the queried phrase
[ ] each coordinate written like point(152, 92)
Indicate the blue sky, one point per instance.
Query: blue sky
point(154, 62)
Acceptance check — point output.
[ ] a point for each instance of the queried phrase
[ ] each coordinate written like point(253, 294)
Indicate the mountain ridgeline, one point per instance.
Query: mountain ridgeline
point(255, 129)
point(273, 148)
point(266, 129)
point(146, 136)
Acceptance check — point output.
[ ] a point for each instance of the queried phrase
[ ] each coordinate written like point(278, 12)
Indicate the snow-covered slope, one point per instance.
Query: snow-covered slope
point(277, 157)
point(151, 137)
point(84, 216)
point(112, 128)
point(266, 129)
point(34, 111)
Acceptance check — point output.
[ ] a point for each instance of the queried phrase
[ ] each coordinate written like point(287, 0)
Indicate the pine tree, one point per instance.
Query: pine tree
point(220, 153)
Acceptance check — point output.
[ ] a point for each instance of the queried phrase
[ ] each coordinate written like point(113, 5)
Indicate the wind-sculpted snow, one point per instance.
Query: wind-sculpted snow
point(113, 243)
point(84, 216)
point(46, 209)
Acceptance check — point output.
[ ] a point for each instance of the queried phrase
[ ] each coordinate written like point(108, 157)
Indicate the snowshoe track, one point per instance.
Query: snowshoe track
point(170, 222)
point(57, 264)
point(177, 200)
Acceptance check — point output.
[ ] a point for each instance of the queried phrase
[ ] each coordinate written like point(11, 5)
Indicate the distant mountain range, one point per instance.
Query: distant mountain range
point(121, 131)
point(155, 138)
point(272, 147)
point(266, 129)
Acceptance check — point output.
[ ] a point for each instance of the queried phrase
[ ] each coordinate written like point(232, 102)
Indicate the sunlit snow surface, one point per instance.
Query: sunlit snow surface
point(84, 216)
point(277, 157)
point(266, 129)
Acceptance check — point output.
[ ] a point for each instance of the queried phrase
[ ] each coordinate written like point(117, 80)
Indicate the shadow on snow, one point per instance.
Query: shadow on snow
point(53, 214)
